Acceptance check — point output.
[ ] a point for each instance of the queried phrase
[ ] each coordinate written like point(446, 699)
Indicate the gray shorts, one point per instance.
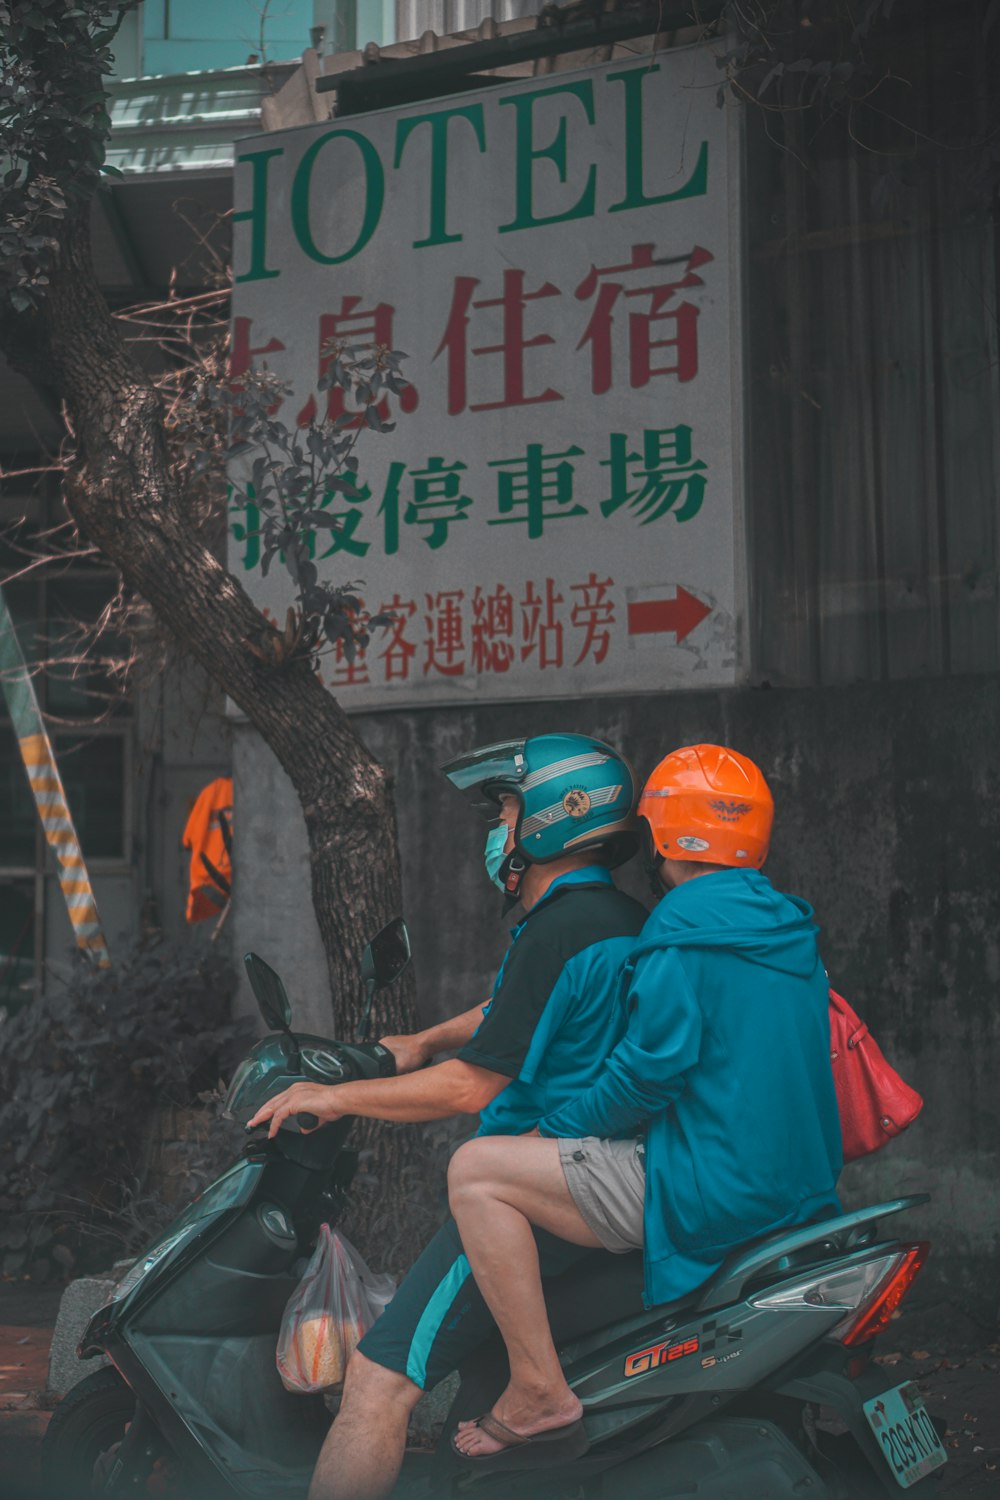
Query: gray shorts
point(607, 1182)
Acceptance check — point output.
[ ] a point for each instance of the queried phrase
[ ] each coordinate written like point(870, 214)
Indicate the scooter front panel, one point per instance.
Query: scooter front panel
point(207, 1341)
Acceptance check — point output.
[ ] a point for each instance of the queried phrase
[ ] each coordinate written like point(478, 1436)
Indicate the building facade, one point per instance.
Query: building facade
point(867, 633)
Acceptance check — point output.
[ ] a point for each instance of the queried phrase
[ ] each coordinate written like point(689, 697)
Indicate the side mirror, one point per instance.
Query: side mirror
point(270, 992)
point(386, 956)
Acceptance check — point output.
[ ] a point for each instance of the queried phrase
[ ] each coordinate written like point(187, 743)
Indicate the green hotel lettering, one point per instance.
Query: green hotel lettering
point(437, 128)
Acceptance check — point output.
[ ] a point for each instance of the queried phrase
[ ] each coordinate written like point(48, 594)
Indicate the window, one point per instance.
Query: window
point(17, 942)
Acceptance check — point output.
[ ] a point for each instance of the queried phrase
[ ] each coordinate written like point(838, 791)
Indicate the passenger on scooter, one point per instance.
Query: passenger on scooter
point(712, 1122)
point(563, 813)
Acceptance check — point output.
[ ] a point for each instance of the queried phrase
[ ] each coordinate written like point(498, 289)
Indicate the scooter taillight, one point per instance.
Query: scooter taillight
point(873, 1317)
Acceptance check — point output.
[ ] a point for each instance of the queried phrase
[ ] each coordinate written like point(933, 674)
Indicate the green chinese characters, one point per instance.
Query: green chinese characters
point(655, 476)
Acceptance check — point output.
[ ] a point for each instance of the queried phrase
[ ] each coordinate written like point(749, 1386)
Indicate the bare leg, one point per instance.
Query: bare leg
point(499, 1186)
point(363, 1452)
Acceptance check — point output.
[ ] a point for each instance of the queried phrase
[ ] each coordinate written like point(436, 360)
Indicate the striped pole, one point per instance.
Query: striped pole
point(47, 788)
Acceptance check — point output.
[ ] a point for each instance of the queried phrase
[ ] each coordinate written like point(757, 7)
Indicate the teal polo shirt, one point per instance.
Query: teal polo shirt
point(555, 1014)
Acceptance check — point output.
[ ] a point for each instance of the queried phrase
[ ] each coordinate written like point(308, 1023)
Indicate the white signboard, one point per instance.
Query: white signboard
point(556, 510)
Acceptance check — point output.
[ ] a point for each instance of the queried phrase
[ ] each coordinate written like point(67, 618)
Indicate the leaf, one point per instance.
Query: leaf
point(336, 626)
point(337, 484)
point(776, 72)
point(326, 522)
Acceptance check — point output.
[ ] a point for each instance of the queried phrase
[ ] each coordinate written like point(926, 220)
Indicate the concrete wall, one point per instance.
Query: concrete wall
point(888, 815)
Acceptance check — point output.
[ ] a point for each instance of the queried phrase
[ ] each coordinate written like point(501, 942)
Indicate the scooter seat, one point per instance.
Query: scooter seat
point(606, 1288)
point(602, 1289)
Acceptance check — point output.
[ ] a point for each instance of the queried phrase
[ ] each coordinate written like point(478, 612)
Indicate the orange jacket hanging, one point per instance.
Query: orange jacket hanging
point(208, 834)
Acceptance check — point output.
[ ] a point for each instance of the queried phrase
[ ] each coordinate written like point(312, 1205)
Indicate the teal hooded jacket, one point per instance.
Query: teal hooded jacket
point(725, 1060)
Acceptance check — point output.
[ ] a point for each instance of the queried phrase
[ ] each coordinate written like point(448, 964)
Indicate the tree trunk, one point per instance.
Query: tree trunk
point(125, 499)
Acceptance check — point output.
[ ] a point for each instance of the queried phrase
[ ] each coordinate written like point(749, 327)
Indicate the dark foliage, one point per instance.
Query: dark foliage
point(81, 1072)
point(860, 64)
point(45, 125)
point(296, 474)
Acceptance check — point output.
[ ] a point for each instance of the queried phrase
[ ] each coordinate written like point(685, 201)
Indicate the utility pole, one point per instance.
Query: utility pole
point(48, 792)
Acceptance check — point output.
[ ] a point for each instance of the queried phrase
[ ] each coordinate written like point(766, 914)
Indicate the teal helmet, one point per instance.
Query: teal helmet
point(573, 793)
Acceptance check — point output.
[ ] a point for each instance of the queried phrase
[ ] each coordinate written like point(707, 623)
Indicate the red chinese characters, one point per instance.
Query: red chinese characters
point(594, 614)
point(640, 324)
point(542, 626)
point(445, 634)
point(513, 344)
point(488, 631)
point(354, 326)
point(657, 325)
point(492, 629)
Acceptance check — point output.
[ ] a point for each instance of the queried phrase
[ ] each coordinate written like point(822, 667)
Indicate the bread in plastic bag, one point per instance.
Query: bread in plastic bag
point(331, 1309)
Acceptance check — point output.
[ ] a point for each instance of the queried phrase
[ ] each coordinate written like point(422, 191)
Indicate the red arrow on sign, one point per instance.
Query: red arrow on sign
point(679, 615)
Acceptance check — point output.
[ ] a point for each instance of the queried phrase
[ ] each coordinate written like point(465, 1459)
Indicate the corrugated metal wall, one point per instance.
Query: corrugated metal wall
point(414, 17)
point(873, 380)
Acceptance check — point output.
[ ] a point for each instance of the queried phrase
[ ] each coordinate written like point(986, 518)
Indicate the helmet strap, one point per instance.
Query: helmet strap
point(511, 873)
point(652, 859)
point(656, 886)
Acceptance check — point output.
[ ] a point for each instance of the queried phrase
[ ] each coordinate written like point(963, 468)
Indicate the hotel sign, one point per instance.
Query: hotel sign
point(556, 511)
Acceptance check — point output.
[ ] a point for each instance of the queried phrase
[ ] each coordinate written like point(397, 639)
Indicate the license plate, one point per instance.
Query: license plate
point(906, 1435)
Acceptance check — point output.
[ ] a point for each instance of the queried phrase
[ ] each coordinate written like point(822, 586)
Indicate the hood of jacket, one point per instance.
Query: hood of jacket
point(739, 910)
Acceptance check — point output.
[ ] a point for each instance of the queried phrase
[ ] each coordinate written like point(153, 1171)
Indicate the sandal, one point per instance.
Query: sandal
point(558, 1445)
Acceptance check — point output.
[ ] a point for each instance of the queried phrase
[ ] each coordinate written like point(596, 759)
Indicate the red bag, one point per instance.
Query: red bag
point(875, 1104)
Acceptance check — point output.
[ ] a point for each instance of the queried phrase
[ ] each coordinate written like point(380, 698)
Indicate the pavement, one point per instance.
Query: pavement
point(955, 1362)
point(27, 1317)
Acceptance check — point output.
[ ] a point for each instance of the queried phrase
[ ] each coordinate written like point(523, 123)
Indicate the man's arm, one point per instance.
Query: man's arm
point(417, 1048)
point(645, 1072)
point(449, 1088)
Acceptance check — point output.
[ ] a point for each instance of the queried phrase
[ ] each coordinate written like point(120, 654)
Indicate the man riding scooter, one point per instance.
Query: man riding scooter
point(712, 1122)
point(563, 810)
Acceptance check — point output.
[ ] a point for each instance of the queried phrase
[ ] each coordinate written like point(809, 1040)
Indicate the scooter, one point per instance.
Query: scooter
point(759, 1385)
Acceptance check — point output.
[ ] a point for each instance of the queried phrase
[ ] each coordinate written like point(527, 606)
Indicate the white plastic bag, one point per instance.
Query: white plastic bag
point(333, 1306)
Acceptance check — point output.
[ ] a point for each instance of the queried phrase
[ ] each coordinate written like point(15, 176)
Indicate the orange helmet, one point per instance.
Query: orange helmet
point(709, 804)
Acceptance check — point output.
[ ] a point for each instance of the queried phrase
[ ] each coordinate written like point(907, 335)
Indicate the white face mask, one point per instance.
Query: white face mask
point(495, 853)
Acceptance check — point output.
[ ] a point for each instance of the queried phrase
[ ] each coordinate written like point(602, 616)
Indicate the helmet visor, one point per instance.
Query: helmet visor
point(483, 774)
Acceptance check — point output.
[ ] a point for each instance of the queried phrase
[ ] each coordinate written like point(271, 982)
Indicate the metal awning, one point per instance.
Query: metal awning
point(381, 81)
point(176, 125)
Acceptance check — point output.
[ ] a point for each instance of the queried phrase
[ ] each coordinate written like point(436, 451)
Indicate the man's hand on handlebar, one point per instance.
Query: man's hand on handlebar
point(409, 1052)
point(316, 1099)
